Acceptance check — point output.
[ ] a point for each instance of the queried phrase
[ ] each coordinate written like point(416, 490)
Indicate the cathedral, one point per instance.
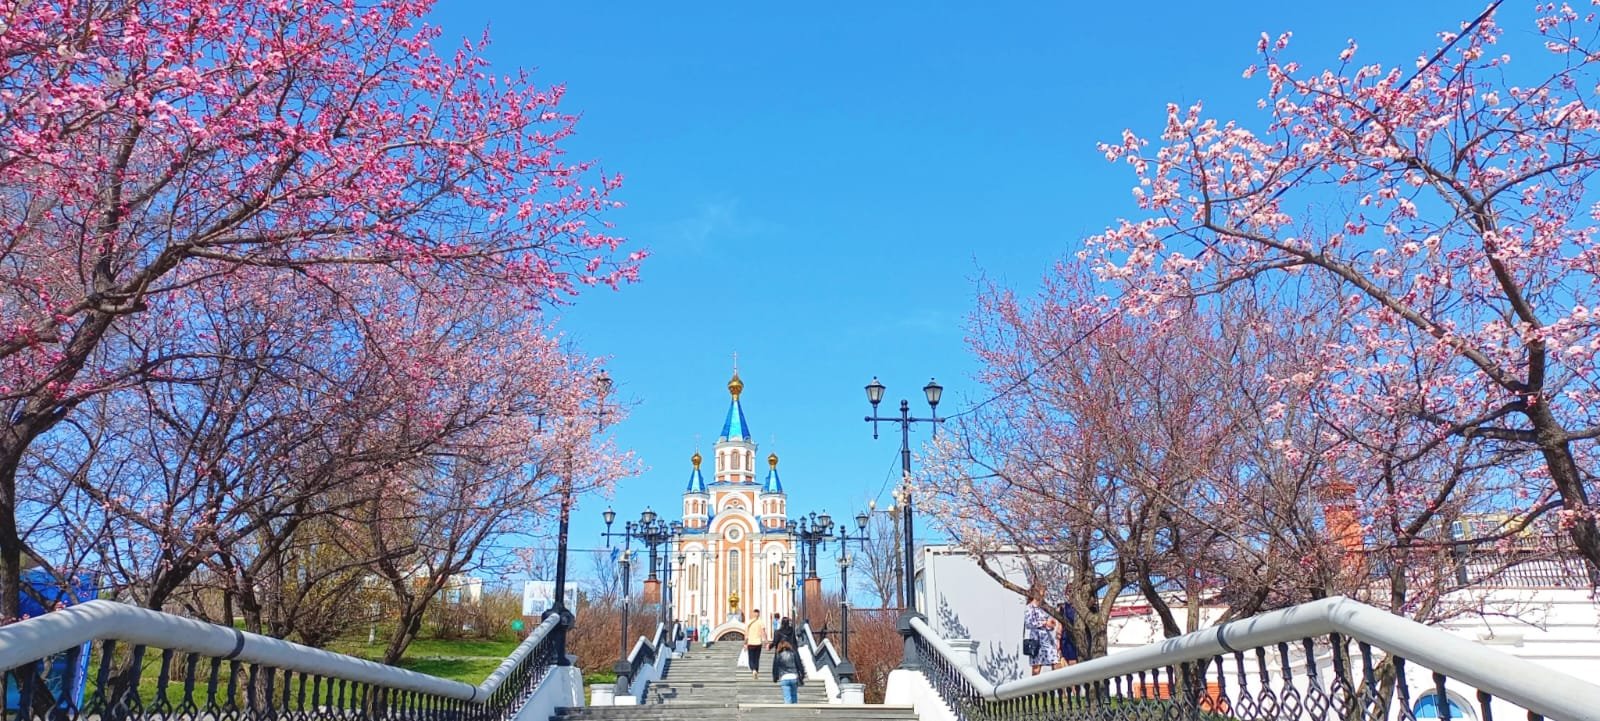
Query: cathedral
point(736, 550)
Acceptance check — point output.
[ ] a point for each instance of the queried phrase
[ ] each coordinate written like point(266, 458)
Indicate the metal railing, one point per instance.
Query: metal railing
point(823, 654)
point(643, 657)
point(1330, 660)
point(147, 664)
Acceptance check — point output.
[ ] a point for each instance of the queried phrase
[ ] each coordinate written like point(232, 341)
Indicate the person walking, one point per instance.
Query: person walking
point(755, 636)
point(786, 633)
point(786, 671)
point(1069, 635)
point(1038, 636)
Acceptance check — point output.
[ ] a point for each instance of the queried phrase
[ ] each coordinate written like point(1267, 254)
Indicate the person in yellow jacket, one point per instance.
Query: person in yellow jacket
point(756, 635)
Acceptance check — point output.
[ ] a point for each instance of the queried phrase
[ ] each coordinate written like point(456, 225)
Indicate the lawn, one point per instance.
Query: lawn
point(465, 660)
point(468, 661)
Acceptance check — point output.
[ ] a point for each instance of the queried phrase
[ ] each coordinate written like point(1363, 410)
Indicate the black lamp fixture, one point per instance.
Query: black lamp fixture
point(933, 392)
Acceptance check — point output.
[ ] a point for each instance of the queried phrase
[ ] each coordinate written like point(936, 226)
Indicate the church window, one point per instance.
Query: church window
point(733, 569)
point(694, 577)
point(736, 461)
point(750, 460)
point(719, 461)
point(772, 576)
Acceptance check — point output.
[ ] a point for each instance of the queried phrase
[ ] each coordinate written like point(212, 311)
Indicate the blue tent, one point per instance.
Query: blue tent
point(65, 673)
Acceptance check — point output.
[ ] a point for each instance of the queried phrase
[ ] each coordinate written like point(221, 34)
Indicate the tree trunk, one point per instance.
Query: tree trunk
point(1568, 480)
point(10, 544)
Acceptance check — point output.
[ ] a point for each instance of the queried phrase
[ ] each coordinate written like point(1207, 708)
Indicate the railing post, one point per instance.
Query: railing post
point(966, 652)
point(909, 659)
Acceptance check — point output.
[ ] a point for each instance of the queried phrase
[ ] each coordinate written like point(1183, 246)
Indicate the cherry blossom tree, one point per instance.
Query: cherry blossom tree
point(1105, 461)
point(264, 455)
point(1186, 456)
point(1446, 206)
point(150, 148)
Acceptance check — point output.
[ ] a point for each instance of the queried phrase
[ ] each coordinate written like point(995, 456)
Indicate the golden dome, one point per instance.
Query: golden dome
point(695, 459)
point(735, 386)
point(772, 460)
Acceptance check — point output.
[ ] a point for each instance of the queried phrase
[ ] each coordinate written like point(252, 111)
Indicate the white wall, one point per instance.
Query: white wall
point(961, 601)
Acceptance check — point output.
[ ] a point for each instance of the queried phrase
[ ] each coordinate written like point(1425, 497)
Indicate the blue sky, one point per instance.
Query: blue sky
point(822, 184)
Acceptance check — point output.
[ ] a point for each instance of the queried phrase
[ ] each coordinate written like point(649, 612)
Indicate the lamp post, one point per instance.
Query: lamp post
point(683, 559)
point(654, 533)
point(642, 530)
point(602, 386)
point(847, 669)
point(810, 530)
point(933, 391)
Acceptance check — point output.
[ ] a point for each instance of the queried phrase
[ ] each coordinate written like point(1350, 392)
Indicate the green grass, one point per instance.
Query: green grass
point(467, 661)
point(436, 647)
point(466, 670)
point(425, 647)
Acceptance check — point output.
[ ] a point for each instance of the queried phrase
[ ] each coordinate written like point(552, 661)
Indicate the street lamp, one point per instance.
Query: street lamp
point(654, 532)
point(810, 530)
point(933, 392)
point(602, 386)
point(846, 669)
point(630, 531)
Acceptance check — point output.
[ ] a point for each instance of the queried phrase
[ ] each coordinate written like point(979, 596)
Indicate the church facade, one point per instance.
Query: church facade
point(735, 550)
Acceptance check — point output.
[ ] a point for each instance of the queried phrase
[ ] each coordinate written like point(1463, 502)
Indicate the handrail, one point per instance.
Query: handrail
point(1534, 687)
point(27, 641)
point(834, 658)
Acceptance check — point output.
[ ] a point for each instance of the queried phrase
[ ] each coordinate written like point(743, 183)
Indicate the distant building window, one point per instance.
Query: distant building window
point(1427, 709)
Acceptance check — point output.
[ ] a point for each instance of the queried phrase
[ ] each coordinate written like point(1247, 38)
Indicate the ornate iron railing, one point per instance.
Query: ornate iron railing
point(645, 651)
point(1331, 660)
point(146, 664)
point(643, 657)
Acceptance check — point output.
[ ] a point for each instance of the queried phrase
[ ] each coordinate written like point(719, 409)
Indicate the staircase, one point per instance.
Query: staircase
point(704, 685)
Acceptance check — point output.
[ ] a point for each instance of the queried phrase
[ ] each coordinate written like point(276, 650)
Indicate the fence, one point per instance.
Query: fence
point(147, 664)
point(1333, 660)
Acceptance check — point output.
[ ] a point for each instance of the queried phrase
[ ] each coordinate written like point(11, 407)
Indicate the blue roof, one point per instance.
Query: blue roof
point(773, 484)
point(735, 427)
point(697, 483)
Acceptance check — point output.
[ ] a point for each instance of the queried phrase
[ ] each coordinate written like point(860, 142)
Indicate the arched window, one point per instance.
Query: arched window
point(1427, 709)
point(733, 570)
point(750, 460)
point(719, 461)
